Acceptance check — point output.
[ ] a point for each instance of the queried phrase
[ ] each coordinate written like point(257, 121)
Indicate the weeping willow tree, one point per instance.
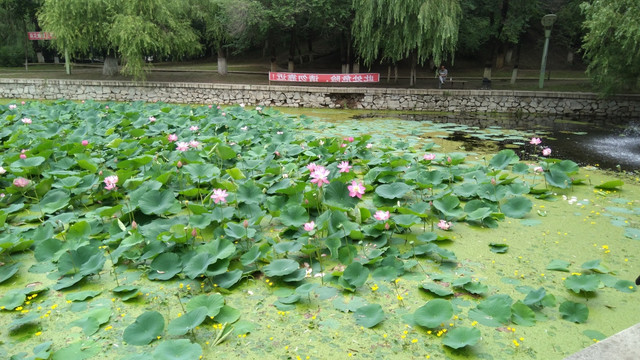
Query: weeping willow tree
point(612, 44)
point(130, 29)
point(393, 30)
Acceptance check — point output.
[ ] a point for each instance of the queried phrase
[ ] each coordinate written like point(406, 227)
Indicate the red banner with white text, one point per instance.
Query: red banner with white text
point(328, 78)
point(40, 35)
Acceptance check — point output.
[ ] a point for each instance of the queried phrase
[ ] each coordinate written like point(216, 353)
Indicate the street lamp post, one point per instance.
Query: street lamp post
point(547, 22)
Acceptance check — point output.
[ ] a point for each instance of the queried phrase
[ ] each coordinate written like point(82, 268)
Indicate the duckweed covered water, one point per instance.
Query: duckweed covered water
point(578, 229)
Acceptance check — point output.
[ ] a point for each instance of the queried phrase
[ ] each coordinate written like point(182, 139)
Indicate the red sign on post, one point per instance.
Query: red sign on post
point(330, 78)
point(40, 35)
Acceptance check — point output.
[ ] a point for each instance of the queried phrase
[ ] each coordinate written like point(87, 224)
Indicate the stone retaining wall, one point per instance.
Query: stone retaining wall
point(538, 102)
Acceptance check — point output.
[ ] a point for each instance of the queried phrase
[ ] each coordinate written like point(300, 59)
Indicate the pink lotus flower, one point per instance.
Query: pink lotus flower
point(179, 164)
point(356, 189)
point(312, 167)
point(319, 176)
point(538, 169)
point(182, 146)
point(110, 182)
point(2, 170)
point(258, 108)
point(172, 137)
point(343, 145)
point(194, 128)
point(85, 142)
point(429, 157)
point(309, 226)
point(13, 106)
point(224, 114)
point(23, 103)
point(106, 107)
point(152, 119)
point(23, 155)
point(369, 145)
point(349, 139)
point(546, 151)
point(134, 225)
point(381, 215)
point(218, 107)
point(20, 182)
point(219, 195)
point(444, 225)
point(194, 143)
point(26, 120)
point(344, 167)
point(535, 141)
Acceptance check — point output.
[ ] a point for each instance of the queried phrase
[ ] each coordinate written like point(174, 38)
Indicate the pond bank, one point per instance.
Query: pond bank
point(446, 100)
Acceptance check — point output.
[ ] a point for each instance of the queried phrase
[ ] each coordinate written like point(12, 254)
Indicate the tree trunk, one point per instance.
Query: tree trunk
point(389, 73)
point(412, 75)
point(292, 51)
point(514, 74)
point(310, 47)
point(222, 62)
point(395, 73)
point(110, 66)
point(356, 67)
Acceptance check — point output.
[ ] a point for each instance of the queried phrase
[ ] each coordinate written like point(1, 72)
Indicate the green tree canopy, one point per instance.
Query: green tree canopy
point(612, 43)
point(129, 28)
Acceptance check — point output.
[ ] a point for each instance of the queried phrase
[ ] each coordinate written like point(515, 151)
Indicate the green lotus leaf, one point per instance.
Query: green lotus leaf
point(229, 278)
point(557, 178)
point(559, 265)
point(249, 193)
point(7, 271)
point(625, 286)
point(574, 312)
point(197, 265)
point(28, 162)
point(460, 337)
point(12, 299)
point(535, 297)
point(465, 190)
point(392, 191)
point(494, 311)
point(53, 201)
point(188, 321)
point(287, 246)
point(436, 289)
point(610, 185)
point(406, 220)
point(80, 350)
point(462, 281)
point(585, 283)
point(201, 172)
point(83, 295)
point(476, 287)
point(227, 315)
point(250, 256)
point(336, 196)
point(145, 329)
point(164, 267)
point(238, 231)
point(68, 281)
point(91, 322)
point(567, 166)
point(595, 266)
point(594, 335)
point(428, 179)
point(294, 216)
point(47, 249)
point(503, 159)
point(498, 248)
point(22, 321)
point(281, 267)
point(86, 260)
point(306, 289)
point(517, 207)
point(158, 202)
point(433, 313)
point(385, 273)
point(220, 248)
point(520, 168)
point(522, 315)
point(369, 315)
point(355, 275)
point(449, 206)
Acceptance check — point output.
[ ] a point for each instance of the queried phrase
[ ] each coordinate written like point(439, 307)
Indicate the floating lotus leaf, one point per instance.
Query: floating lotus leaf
point(354, 276)
point(449, 206)
point(392, 191)
point(595, 266)
point(517, 207)
point(567, 166)
point(503, 159)
point(83, 295)
point(433, 313)
point(522, 315)
point(158, 202)
point(164, 267)
point(460, 337)
point(557, 178)
point(53, 201)
point(7, 271)
point(498, 248)
point(294, 216)
point(610, 185)
point(574, 312)
point(228, 279)
point(198, 265)
point(494, 311)
point(436, 289)
point(201, 172)
point(12, 299)
point(584, 283)
point(559, 265)
point(180, 349)
point(336, 196)
point(145, 329)
point(181, 325)
point(625, 286)
point(281, 267)
point(369, 315)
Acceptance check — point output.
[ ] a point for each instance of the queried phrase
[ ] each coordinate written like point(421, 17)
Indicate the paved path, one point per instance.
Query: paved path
point(621, 346)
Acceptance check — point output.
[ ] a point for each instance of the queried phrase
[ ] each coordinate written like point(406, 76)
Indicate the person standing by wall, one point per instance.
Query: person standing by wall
point(442, 76)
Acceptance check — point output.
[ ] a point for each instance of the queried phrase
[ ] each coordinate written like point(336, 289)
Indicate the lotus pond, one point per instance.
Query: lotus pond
point(156, 231)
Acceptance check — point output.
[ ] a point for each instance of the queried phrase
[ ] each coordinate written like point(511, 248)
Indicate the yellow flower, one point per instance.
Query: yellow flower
point(400, 298)
point(38, 333)
point(108, 328)
point(414, 341)
point(516, 343)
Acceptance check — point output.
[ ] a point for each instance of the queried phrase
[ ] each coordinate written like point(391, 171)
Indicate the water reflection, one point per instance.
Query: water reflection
point(609, 143)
